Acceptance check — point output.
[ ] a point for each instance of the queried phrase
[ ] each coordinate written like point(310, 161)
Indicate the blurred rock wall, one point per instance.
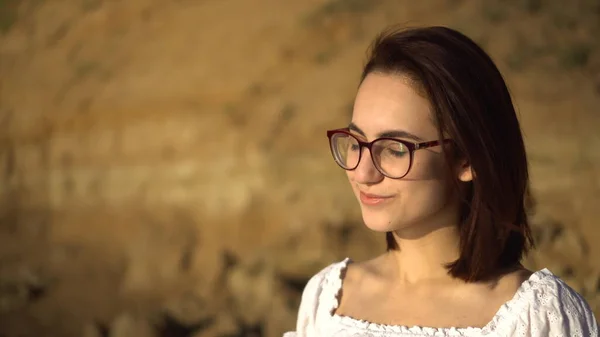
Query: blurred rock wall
point(165, 170)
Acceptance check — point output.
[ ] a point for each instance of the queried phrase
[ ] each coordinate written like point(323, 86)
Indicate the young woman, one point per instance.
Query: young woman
point(435, 157)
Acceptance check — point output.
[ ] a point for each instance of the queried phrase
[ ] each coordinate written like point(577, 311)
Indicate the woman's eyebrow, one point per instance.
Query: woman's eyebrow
point(387, 134)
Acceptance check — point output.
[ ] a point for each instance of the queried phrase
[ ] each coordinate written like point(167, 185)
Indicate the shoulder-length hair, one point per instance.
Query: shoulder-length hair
point(471, 105)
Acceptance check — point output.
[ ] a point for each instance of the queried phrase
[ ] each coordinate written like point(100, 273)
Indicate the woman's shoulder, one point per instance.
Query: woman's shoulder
point(549, 304)
point(331, 277)
point(326, 278)
point(547, 290)
point(319, 297)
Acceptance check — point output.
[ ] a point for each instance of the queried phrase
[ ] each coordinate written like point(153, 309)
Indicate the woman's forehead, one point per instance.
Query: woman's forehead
point(388, 102)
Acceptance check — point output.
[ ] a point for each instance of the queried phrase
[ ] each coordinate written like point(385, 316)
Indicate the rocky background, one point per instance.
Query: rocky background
point(164, 167)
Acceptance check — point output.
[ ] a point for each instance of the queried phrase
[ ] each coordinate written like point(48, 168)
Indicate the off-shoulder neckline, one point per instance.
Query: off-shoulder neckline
point(334, 281)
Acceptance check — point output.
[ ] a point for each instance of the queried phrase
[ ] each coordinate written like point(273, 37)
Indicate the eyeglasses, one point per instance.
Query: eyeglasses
point(392, 157)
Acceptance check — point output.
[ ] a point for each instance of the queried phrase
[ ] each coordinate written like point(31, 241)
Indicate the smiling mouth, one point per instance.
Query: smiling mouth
point(372, 199)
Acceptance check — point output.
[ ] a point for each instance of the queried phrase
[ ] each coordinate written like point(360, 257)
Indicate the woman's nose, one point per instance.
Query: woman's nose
point(366, 172)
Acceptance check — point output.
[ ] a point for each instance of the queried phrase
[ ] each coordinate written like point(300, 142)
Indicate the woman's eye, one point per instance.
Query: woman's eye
point(396, 153)
point(397, 150)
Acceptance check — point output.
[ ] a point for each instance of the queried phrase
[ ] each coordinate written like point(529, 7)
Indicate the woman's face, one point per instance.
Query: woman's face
point(424, 197)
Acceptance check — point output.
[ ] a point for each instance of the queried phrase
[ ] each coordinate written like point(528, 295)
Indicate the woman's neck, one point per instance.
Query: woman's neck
point(424, 257)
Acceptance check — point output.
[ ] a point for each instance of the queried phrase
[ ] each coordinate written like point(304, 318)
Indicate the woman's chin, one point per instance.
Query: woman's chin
point(379, 229)
point(378, 224)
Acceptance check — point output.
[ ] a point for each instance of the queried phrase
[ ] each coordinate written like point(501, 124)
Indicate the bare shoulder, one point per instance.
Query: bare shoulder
point(490, 295)
point(513, 279)
point(360, 271)
point(368, 276)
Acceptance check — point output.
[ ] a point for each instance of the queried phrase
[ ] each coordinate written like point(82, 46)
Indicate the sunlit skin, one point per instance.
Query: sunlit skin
point(422, 210)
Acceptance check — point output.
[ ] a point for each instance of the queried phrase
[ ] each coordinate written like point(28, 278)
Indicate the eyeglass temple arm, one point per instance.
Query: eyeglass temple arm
point(430, 144)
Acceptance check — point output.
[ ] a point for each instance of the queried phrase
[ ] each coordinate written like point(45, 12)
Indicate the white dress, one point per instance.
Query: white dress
point(542, 306)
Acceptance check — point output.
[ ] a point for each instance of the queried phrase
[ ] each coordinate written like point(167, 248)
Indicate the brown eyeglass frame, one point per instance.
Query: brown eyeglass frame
point(412, 147)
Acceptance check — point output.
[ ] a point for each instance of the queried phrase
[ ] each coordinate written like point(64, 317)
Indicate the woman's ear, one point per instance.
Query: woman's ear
point(465, 172)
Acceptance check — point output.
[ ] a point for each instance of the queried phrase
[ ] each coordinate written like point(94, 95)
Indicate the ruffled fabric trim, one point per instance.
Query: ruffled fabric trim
point(331, 296)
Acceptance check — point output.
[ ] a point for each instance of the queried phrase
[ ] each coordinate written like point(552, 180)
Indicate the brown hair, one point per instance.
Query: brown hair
point(472, 105)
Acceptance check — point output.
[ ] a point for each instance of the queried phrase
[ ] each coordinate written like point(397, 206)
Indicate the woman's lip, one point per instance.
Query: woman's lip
point(373, 199)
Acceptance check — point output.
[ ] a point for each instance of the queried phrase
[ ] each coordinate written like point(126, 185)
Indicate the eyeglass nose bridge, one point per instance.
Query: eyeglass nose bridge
point(369, 146)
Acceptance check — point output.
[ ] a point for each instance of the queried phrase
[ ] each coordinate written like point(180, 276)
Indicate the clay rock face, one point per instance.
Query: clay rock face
point(165, 170)
point(20, 286)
